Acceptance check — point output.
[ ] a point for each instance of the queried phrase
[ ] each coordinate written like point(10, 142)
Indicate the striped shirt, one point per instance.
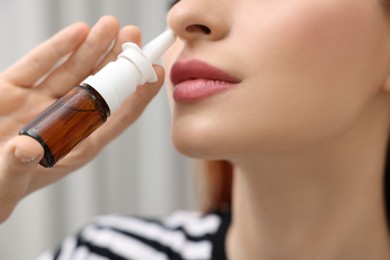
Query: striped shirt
point(182, 235)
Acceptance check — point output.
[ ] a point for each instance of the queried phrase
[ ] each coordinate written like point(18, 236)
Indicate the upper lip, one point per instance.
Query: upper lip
point(197, 69)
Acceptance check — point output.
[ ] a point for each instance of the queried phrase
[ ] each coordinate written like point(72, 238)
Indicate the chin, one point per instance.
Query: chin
point(199, 141)
point(195, 147)
point(208, 143)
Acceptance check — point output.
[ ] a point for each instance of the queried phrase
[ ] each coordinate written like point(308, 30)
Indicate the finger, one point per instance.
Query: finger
point(81, 63)
point(42, 58)
point(130, 110)
point(128, 33)
point(20, 158)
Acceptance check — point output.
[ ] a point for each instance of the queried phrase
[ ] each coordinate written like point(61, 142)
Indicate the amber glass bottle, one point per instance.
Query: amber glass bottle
point(67, 122)
point(75, 116)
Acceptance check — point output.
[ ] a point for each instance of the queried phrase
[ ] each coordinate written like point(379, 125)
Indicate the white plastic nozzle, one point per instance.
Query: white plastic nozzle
point(134, 66)
point(149, 54)
point(158, 46)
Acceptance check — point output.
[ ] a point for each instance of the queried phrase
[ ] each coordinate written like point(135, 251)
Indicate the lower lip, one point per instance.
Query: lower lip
point(191, 90)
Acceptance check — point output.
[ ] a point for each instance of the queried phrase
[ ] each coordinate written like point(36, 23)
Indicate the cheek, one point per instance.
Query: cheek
point(321, 40)
point(313, 70)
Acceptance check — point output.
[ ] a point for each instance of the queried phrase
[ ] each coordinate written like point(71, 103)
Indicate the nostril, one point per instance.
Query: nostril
point(198, 28)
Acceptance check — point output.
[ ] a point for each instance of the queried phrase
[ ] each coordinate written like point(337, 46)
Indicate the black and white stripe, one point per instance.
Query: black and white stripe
point(183, 235)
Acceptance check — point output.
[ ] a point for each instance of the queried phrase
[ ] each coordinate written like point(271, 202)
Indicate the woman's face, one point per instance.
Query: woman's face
point(281, 75)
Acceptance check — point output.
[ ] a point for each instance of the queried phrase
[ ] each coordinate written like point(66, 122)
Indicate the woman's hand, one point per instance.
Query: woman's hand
point(37, 80)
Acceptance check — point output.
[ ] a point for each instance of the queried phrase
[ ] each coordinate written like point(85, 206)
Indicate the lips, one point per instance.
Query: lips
point(195, 79)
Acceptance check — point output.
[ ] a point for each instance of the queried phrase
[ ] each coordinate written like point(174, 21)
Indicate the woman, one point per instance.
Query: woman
point(304, 120)
point(293, 98)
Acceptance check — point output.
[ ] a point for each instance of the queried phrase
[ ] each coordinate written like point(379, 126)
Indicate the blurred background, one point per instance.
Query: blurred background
point(139, 174)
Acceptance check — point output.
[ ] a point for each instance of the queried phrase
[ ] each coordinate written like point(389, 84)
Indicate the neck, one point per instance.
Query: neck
point(325, 202)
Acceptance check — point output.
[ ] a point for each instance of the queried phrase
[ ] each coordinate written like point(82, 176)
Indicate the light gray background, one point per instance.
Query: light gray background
point(140, 173)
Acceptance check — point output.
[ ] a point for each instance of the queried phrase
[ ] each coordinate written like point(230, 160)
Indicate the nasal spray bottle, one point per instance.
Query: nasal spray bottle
point(86, 107)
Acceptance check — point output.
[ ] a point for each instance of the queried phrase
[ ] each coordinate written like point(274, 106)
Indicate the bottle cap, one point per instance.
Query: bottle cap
point(118, 79)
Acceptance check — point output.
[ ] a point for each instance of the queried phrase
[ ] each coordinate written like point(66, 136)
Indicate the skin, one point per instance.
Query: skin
point(306, 128)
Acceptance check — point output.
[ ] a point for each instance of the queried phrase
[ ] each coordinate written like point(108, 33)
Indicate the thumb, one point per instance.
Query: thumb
point(20, 157)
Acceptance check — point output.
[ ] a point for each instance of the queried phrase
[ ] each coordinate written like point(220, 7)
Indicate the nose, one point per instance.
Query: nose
point(193, 20)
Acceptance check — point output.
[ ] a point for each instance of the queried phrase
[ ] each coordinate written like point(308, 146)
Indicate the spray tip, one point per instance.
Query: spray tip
point(155, 48)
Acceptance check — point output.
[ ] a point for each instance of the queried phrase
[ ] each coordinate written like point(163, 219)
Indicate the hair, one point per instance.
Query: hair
point(385, 4)
point(216, 181)
point(386, 185)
